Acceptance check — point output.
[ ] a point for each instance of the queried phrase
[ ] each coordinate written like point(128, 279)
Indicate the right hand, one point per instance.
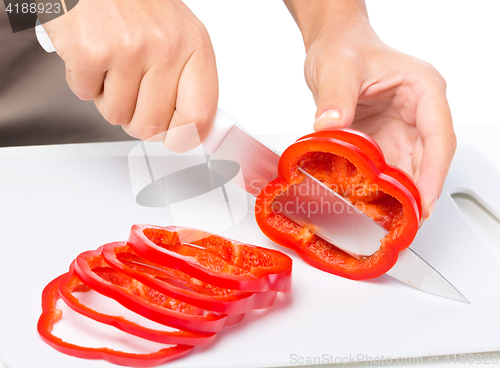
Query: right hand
point(149, 65)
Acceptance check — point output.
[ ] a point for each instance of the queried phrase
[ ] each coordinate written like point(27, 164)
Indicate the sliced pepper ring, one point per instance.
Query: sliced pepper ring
point(95, 273)
point(315, 154)
point(214, 259)
point(178, 285)
point(51, 315)
point(70, 283)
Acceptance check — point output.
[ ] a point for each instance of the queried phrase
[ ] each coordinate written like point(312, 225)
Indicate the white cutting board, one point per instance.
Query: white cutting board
point(68, 199)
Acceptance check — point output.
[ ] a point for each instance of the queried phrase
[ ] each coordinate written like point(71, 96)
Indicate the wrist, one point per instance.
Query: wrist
point(336, 17)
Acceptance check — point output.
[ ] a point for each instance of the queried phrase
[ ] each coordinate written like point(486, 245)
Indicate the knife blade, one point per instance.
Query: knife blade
point(350, 229)
point(312, 204)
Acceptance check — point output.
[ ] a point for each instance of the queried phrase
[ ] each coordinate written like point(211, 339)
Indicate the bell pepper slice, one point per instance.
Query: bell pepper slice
point(351, 164)
point(214, 259)
point(178, 285)
point(51, 315)
point(132, 294)
point(70, 283)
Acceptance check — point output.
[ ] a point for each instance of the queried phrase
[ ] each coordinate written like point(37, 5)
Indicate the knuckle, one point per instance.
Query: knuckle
point(431, 72)
point(97, 59)
point(116, 118)
point(166, 42)
point(87, 59)
point(83, 95)
point(180, 41)
point(441, 79)
point(331, 95)
point(82, 92)
point(202, 123)
point(132, 48)
point(114, 114)
point(86, 55)
point(452, 140)
point(148, 132)
point(201, 39)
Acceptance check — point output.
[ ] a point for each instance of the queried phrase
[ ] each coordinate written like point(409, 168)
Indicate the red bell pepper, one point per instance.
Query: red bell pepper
point(214, 259)
point(352, 164)
point(51, 315)
point(95, 273)
point(178, 285)
point(70, 283)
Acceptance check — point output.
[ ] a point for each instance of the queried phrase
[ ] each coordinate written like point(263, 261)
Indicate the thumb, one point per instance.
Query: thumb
point(337, 99)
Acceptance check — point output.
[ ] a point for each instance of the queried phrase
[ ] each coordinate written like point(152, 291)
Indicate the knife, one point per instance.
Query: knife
point(350, 229)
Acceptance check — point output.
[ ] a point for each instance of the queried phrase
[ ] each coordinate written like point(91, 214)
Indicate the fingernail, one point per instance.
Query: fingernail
point(329, 119)
point(431, 208)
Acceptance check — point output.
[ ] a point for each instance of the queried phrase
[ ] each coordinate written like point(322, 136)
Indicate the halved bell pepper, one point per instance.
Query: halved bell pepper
point(214, 259)
point(51, 315)
point(70, 283)
point(178, 285)
point(132, 294)
point(352, 164)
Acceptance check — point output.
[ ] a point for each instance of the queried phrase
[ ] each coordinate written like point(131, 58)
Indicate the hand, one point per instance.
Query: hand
point(148, 65)
point(357, 81)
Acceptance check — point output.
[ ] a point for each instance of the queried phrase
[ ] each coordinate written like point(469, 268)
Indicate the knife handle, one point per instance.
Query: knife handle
point(223, 121)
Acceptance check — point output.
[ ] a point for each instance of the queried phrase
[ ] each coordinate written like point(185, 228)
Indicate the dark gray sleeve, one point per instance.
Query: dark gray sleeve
point(36, 104)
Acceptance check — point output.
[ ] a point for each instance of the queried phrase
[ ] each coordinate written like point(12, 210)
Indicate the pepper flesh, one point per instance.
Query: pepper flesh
point(70, 283)
point(214, 259)
point(368, 145)
point(149, 303)
point(340, 160)
point(178, 285)
point(51, 315)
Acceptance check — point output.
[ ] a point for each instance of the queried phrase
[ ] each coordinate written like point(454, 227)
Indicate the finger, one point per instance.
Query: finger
point(85, 62)
point(117, 101)
point(416, 159)
point(197, 97)
point(85, 76)
point(155, 103)
point(338, 92)
point(435, 128)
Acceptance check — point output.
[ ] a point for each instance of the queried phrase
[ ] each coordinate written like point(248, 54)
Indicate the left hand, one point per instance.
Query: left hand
point(357, 81)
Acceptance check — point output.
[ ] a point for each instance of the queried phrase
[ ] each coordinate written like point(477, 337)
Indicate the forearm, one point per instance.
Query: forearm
point(314, 16)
